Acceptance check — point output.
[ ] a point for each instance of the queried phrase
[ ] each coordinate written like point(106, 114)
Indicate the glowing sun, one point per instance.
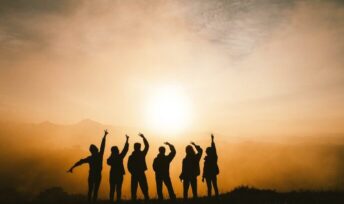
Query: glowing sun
point(168, 110)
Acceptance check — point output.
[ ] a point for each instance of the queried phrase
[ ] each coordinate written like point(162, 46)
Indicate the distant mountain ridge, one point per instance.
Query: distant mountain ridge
point(38, 154)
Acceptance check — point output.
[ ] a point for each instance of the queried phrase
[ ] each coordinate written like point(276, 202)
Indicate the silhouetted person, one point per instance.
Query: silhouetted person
point(210, 168)
point(161, 166)
point(117, 170)
point(137, 167)
point(191, 169)
point(95, 162)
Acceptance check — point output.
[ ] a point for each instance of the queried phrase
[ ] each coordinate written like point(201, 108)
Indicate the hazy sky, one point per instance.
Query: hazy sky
point(257, 69)
point(246, 67)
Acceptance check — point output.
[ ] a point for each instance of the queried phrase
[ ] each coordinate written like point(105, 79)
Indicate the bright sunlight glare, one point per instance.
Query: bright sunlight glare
point(168, 110)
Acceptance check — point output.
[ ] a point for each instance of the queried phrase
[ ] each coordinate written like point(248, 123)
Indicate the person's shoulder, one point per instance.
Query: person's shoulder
point(130, 156)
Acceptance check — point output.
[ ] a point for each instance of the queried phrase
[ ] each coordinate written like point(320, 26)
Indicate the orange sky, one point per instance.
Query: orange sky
point(248, 69)
point(252, 72)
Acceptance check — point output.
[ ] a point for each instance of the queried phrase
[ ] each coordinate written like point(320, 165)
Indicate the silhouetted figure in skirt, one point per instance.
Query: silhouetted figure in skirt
point(137, 167)
point(191, 169)
point(161, 166)
point(210, 168)
point(95, 162)
point(117, 170)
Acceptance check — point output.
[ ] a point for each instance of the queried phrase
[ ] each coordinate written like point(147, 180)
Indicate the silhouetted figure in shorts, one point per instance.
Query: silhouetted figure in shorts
point(191, 169)
point(117, 170)
point(211, 169)
point(137, 167)
point(161, 166)
point(95, 162)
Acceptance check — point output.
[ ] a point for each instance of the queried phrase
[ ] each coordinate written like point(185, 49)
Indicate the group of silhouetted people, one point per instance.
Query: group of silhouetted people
point(161, 165)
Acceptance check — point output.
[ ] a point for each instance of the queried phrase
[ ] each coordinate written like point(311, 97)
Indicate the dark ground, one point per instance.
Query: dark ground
point(240, 195)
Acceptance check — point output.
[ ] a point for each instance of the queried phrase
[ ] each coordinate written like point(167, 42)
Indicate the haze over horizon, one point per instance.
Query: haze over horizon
point(267, 74)
point(38, 155)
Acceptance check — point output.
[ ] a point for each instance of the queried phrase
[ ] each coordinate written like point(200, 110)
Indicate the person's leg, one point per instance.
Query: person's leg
point(158, 182)
point(112, 189)
point(115, 189)
point(169, 187)
point(96, 188)
point(144, 185)
point(134, 183)
point(215, 186)
point(119, 188)
point(208, 180)
point(186, 184)
point(194, 187)
point(90, 187)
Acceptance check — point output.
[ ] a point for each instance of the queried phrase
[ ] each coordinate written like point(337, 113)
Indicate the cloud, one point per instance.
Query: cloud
point(237, 26)
point(79, 58)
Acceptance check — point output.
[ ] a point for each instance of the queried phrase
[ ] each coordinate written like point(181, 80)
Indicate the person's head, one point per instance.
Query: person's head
point(93, 149)
point(162, 150)
point(189, 150)
point(115, 150)
point(137, 146)
point(209, 151)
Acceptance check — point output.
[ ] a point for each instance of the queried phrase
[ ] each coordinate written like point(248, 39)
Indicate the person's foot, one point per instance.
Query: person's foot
point(146, 200)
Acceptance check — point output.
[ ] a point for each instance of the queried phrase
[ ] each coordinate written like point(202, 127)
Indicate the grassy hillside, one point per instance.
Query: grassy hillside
point(240, 195)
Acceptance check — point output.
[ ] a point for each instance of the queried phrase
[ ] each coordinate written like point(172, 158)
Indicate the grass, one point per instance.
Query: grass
point(240, 195)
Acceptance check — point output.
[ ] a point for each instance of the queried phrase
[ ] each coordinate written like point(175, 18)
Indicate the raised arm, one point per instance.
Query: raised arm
point(199, 150)
point(80, 162)
point(125, 148)
point(145, 142)
point(102, 146)
point(213, 144)
point(172, 154)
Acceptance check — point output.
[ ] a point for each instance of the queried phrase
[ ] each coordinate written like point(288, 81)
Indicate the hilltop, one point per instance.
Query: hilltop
point(240, 195)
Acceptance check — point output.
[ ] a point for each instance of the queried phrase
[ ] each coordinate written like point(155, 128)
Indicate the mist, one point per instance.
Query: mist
point(265, 76)
point(39, 155)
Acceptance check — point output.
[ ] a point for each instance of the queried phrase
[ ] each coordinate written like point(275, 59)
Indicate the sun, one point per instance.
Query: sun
point(168, 110)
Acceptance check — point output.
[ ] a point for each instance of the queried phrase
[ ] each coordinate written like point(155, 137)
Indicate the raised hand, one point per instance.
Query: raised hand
point(141, 135)
point(167, 143)
point(194, 144)
point(212, 136)
point(127, 136)
point(106, 132)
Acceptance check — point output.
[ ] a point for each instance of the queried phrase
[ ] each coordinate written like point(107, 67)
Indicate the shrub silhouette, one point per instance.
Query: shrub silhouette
point(239, 195)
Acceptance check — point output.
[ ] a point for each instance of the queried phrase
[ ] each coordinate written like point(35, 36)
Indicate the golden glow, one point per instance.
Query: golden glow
point(258, 75)
point(168, 110)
